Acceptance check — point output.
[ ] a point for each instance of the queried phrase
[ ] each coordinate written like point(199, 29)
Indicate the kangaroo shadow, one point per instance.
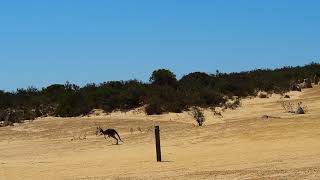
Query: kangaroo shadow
point(117, 144)
point(113, 144)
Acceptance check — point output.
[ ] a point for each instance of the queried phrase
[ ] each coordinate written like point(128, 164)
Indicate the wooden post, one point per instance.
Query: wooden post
point(158, 147)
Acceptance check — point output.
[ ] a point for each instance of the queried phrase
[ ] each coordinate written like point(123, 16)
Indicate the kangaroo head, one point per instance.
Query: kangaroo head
point(98, 131)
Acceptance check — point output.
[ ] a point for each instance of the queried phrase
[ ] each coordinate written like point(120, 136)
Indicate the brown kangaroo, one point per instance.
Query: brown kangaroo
point(109, 132)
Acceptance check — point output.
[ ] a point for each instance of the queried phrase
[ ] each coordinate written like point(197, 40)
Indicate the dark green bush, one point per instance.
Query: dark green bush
point(164, 93)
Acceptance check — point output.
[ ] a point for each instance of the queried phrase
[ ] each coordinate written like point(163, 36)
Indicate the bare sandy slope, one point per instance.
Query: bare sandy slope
point(239, 146)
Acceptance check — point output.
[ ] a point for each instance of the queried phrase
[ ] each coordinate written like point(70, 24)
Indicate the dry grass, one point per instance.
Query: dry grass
point(298, 108)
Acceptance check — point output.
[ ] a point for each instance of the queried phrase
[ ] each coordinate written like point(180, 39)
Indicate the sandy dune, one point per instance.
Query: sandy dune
point(240, 145)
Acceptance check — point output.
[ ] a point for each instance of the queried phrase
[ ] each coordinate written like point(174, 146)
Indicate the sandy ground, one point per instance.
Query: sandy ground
point(241, 145)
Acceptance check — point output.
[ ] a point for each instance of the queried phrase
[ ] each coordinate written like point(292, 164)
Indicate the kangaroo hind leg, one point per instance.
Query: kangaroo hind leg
point(115, 139)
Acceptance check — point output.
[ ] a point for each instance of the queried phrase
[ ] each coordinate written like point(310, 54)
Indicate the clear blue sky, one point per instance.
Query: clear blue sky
point(44, 42)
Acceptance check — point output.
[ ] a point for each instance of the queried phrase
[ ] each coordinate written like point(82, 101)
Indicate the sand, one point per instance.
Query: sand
point(241, 145)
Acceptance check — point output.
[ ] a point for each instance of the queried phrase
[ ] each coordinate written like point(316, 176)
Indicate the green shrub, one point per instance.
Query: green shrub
point(164, 93)
point(198, 115)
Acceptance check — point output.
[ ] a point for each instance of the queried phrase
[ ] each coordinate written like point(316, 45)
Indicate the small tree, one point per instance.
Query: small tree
point(163, 77)
point(197, 114)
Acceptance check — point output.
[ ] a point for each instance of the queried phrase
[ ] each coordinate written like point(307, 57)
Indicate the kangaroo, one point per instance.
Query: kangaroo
point(109, 132)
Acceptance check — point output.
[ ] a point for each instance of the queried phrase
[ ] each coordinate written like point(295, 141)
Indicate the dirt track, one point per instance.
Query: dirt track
point(239, 146)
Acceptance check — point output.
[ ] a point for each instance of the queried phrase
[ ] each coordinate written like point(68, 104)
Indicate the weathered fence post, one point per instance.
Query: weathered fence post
point(158, 147)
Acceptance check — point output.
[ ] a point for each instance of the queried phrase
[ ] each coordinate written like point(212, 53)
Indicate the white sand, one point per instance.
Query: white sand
point(240, 145)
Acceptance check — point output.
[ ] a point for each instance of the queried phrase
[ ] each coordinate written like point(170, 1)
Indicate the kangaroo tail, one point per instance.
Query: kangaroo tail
point(118, 136)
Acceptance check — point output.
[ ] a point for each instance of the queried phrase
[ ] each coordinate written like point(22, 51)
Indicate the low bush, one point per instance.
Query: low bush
point(198, 115)
point(164, 92)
